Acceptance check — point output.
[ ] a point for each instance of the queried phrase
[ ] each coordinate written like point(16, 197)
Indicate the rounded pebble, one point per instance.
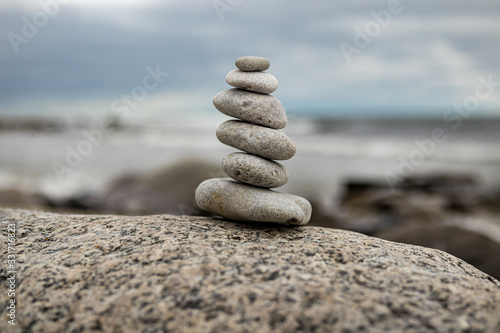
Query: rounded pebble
point(254, 170)
point(237, 201)
point(303, 204)
point(250, 63)
point(257, 140)
point(260, 82)
point(265, 110)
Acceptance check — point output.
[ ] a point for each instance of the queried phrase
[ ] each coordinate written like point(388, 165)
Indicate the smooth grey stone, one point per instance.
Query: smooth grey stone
point(257, 140)
point(303, 204)
point(251, 63)
point(230, 199)
point(254, 170)
point(260, 82)
point(265, 110)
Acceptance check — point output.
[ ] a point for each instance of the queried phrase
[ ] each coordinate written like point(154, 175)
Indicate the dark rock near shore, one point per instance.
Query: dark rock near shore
point(80, 273)
point(448, 212)
point(15, 198)
point(168, 190)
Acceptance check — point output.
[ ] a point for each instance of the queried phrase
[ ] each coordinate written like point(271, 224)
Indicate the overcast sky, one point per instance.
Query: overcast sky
point(373, 58)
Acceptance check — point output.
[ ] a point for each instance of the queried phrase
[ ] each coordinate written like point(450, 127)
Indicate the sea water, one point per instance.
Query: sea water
point(329, 152)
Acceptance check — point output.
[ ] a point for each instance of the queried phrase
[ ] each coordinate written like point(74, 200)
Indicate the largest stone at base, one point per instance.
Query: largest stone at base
point(233, 200)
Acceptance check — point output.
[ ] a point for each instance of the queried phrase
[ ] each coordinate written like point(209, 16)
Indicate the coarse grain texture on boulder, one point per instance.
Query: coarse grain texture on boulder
point(260, 82)
point(257, 140)
point(254, 170)
point(265, 110)
point(242, 202)
point(82, 273)
point(252, 63)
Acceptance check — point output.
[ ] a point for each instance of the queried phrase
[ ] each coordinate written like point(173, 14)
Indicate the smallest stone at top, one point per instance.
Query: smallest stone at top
point(251, 64)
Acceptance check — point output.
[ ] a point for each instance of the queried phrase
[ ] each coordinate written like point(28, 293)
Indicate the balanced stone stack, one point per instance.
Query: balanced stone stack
point(247, 195)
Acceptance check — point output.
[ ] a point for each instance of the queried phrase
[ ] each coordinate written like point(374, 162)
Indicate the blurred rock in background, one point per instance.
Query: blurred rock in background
point(447, 212)
point(168, 190)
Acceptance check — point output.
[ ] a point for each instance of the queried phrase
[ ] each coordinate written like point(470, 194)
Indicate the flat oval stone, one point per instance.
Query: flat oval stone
point(237, 201)
point(251, 63)
point(256, 140)
point(265, 110)
point(254, 170)
point(260, 82)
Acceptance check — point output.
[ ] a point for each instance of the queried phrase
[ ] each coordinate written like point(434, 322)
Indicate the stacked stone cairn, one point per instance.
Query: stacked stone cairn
point(247, 195)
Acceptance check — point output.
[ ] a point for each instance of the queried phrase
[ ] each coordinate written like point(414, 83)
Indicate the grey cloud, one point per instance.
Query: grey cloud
point(84, 55)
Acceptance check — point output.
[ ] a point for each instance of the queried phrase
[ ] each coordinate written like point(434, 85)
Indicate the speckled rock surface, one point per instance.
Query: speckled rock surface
point(236, 201)
point(252, 63)
point(254, 170)
point(83, 273)
point(265, 110)
point(256, 140)
point(260, 82)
